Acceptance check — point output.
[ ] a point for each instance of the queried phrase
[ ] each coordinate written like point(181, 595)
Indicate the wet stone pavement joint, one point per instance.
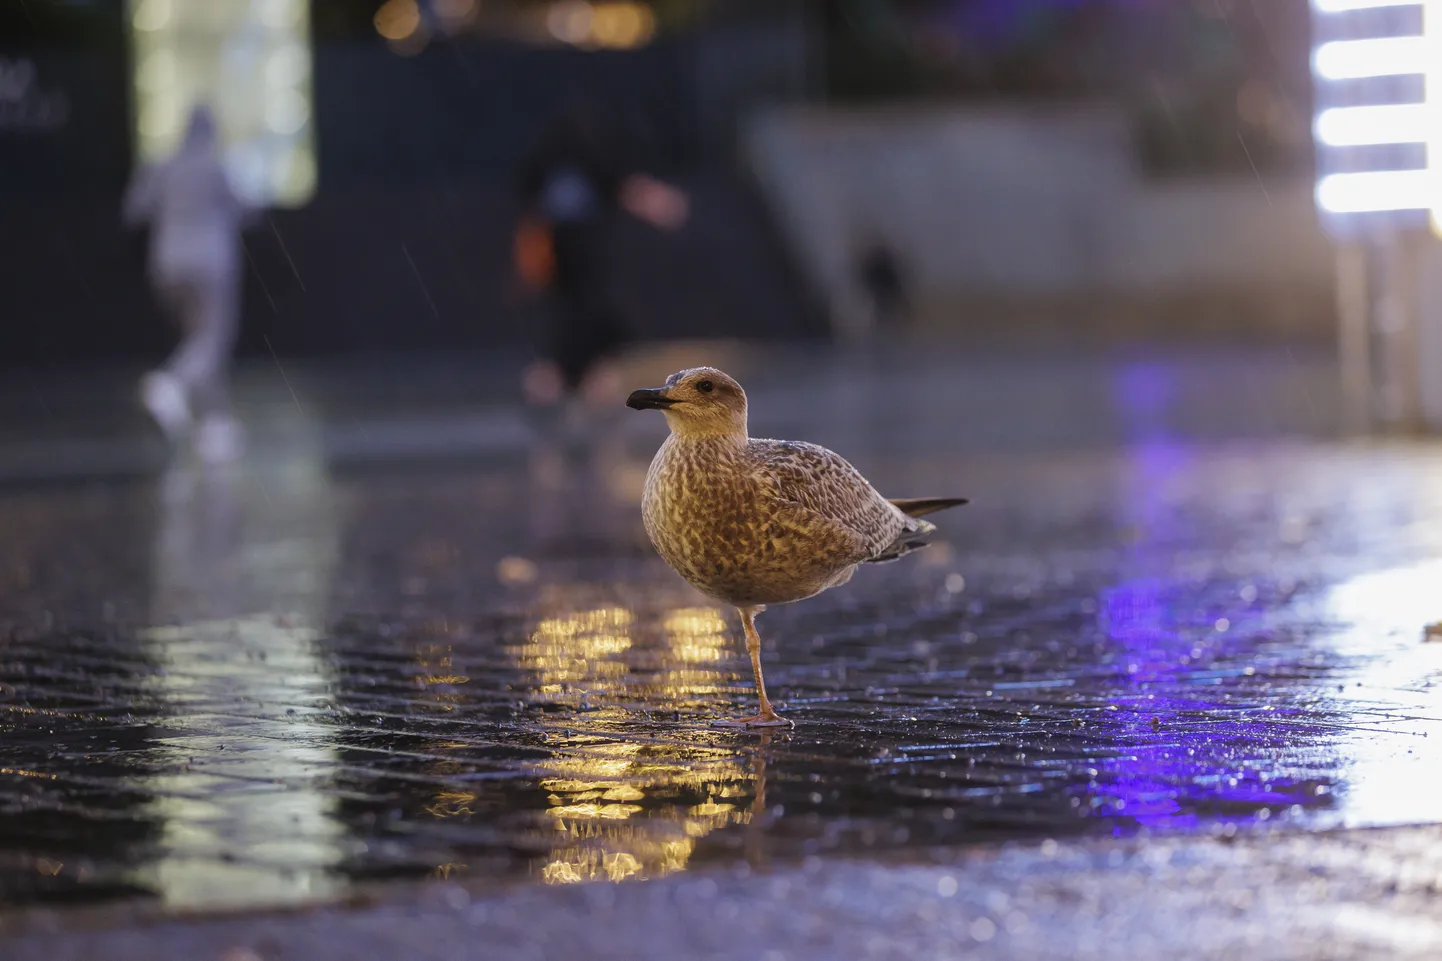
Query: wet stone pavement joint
point(284, 684)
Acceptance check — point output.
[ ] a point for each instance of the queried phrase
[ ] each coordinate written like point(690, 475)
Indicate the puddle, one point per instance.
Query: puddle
point(293, 683)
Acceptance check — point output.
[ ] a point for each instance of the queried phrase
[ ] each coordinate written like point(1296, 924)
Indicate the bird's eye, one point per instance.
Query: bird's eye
point(705, 387)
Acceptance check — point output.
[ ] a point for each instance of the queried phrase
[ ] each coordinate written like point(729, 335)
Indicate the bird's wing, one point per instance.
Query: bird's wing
point(823, 483)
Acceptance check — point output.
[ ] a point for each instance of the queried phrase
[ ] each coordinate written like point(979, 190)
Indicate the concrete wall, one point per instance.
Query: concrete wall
point(1036, 211)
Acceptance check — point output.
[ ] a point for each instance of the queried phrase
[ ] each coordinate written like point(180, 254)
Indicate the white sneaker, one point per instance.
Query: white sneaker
point(219, 440)
point(164, 397)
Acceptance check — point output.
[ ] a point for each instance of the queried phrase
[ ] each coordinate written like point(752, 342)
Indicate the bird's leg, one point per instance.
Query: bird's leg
point(767, 716)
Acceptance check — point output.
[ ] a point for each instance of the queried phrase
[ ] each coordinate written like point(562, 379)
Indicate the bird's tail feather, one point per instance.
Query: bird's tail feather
point(898, 549)
point(921, 506)
point(913, 537)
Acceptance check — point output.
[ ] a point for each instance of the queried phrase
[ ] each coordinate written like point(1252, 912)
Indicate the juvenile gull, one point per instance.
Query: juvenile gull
point(755, 522)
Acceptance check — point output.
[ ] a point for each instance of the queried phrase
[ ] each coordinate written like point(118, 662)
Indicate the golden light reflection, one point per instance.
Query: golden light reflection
point(612, 812)
point(439, 672)
point(600, 651)
point(595, 865)
point(617, 808)
point(603, 621)
point(452, 804)
point(689, 666)
point(607, 832)
point(578, 647)
point(23, 772)
point(697, 634)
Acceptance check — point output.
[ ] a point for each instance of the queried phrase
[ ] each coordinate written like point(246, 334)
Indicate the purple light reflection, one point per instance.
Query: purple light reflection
point(1193, 747)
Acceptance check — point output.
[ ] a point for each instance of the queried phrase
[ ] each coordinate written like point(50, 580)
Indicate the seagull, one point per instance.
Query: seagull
point(754, 522)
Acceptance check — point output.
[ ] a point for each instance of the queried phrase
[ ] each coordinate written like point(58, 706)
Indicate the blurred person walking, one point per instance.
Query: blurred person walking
point(880, 276)
point(572, 185)
point(195, 218)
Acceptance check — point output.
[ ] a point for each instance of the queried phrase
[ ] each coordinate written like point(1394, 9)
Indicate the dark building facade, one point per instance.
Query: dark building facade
point(406, 243)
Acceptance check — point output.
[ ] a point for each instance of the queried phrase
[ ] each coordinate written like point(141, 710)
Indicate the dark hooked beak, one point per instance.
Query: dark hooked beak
point(649, 398)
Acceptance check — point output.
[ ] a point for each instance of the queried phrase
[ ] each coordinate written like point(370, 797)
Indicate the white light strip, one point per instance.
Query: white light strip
point(1370, 126)
point(1376, 191)
point(1432, 34)
point(1342, 6)
point(1359, 59)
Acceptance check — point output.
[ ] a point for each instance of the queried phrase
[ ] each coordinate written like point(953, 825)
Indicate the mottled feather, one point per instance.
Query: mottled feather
point(825, 482)
point(756, 522)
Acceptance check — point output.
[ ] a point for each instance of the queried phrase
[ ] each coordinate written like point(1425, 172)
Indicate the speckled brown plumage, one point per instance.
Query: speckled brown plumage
point(764, 521)
point(754, 522)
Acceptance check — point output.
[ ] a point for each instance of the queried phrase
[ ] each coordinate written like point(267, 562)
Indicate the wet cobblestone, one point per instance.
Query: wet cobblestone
point(281, 682)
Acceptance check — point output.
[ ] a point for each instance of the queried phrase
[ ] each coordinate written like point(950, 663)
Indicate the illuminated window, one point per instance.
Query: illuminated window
point(251, 61)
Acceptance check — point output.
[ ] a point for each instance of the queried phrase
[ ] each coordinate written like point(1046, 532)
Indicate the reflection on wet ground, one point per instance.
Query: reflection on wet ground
point(277, 682)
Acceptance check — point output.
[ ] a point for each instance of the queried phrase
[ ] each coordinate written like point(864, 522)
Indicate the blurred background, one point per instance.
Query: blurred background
point(1025, 168)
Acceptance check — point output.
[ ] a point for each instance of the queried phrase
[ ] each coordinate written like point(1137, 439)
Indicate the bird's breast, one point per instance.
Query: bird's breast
point(691, 508)
point(721, 531)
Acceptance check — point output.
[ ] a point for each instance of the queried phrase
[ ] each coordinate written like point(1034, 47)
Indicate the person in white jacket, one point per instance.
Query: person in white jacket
point(195, 218)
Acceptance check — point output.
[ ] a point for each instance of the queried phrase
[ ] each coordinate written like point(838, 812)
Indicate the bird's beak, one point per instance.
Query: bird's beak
point(649, 398)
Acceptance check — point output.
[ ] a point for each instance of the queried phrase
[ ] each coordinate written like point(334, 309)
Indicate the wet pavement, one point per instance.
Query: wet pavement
point(1278, 897)
point(1178, 609)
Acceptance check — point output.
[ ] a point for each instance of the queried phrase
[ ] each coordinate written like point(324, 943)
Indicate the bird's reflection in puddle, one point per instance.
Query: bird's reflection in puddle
point(242, 563)
point(627, 789)
point(626, 809)
point(623, 805)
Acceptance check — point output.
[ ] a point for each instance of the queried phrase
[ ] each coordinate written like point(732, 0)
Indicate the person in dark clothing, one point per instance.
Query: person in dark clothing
point(881, 278)
point(572, 186)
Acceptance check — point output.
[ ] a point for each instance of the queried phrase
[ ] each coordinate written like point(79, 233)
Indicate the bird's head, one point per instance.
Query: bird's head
point(697, 402)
